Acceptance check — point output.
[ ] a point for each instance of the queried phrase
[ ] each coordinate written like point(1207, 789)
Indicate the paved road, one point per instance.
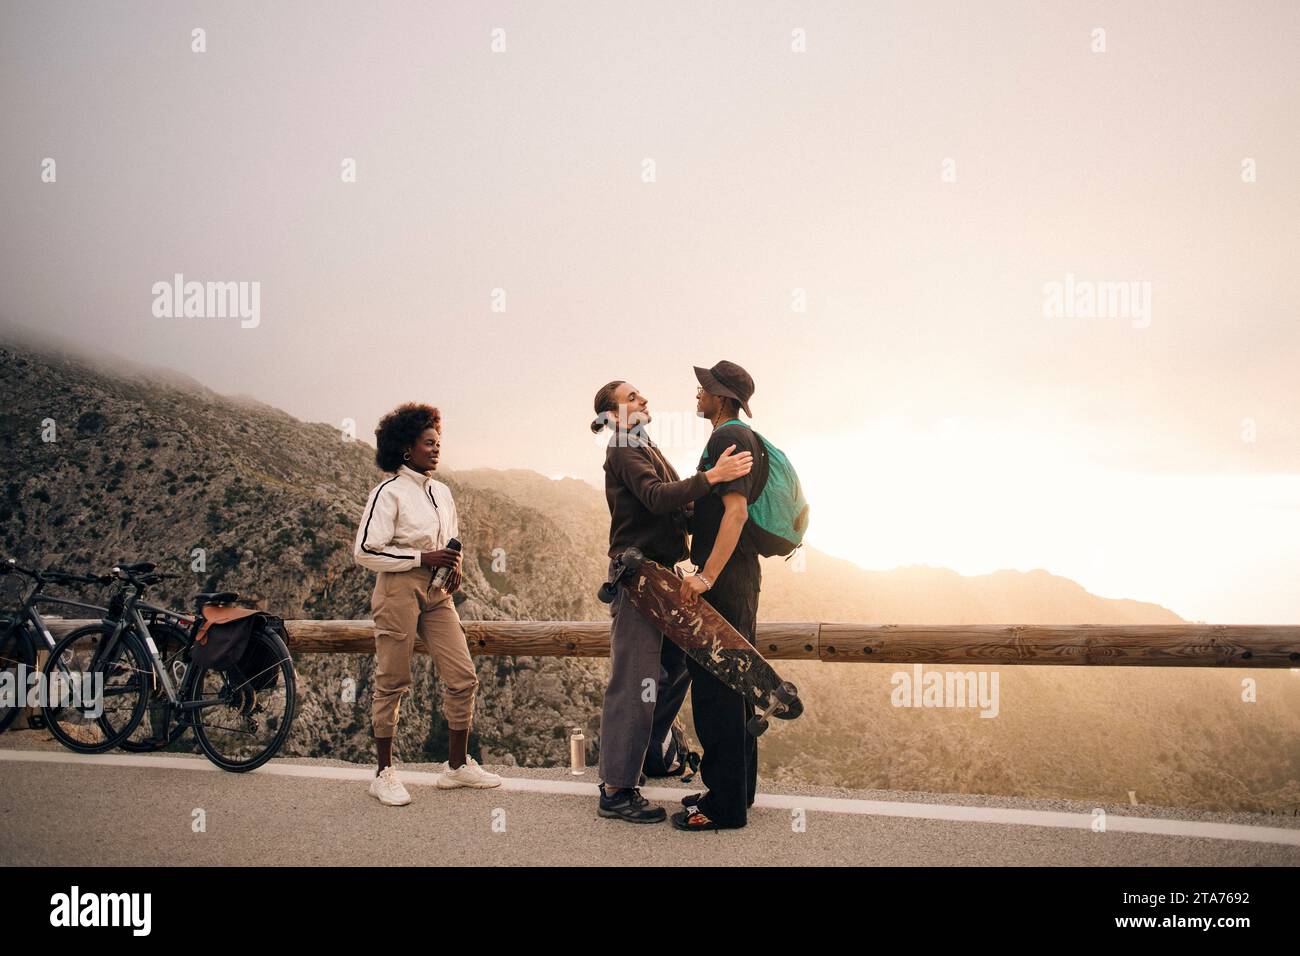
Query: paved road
point(60, 809)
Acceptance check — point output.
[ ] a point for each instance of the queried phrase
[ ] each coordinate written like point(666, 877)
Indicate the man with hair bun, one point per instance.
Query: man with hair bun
point(647, 508)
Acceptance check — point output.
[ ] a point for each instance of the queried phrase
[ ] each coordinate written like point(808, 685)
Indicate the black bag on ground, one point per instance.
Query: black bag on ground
point(672, 756)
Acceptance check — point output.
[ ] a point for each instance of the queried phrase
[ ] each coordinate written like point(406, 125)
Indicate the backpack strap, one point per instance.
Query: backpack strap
point(688, 761)
point(762, 442)
point(691, 766)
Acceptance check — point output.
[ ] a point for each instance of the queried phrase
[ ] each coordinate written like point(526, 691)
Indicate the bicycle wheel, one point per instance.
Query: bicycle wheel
point(159, 728)
point(16, 651)
point(244, 719)
point(92, 706)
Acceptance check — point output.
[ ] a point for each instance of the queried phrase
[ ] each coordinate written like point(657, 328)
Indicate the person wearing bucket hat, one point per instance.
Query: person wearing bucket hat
point(724, 549)
point(728, 380)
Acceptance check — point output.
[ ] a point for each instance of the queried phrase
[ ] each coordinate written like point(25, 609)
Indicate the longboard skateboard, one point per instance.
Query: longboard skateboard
point(704, 634)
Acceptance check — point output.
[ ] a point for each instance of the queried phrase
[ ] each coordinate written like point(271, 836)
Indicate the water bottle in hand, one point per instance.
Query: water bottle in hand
point(442, 574)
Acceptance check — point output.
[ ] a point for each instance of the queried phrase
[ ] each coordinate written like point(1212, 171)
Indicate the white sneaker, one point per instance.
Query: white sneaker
point(388, 789)
point(468, 775)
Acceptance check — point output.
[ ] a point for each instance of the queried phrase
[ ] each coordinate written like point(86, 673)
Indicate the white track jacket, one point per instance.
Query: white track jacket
point(405, 515)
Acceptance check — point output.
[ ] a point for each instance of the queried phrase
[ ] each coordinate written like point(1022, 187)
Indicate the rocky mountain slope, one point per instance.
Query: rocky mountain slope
point(101, 467)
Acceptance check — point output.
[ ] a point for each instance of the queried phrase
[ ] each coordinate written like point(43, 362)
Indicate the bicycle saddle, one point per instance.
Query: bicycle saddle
point(216, 597)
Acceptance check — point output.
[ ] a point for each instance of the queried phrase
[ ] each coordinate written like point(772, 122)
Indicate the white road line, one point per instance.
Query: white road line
point(1115, 823)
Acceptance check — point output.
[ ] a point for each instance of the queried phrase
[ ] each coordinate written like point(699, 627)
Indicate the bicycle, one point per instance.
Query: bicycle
point(25, 634)
point(229, 712)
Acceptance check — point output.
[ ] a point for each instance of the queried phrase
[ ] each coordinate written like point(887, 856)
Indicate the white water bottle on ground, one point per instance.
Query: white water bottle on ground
point(577, 752)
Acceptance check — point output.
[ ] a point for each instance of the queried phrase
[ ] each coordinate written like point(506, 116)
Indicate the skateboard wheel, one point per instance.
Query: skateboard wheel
point(786, 692)
point(606, 593)
point(791, 711)
point(632, 559)
point(756, 726)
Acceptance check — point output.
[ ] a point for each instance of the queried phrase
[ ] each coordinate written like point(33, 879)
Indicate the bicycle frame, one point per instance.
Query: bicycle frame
point(31, 620)
point(134, 620)
point(131, 615)
point(33, 617)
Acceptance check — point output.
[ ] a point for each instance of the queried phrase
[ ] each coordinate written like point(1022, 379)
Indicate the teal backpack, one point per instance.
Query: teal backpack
point(780, 513)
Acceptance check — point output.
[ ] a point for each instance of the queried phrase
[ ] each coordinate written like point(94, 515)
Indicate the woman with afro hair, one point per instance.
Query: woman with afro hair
point(408, 520)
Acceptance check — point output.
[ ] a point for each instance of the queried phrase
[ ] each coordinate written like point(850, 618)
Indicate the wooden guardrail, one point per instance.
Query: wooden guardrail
point(1159, 645)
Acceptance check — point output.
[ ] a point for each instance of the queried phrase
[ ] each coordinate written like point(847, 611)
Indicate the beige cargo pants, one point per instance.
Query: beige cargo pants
point(406, 607)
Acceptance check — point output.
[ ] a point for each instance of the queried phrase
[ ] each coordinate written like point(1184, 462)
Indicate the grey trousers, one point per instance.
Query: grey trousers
point(648, 681)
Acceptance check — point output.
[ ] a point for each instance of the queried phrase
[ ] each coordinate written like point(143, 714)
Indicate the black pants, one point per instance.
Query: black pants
point(729, 763)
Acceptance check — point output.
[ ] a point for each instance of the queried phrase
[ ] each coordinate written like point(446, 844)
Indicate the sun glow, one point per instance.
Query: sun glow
point(979, 500)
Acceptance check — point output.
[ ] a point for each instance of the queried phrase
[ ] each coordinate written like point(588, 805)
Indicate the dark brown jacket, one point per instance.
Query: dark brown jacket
point(646, 499)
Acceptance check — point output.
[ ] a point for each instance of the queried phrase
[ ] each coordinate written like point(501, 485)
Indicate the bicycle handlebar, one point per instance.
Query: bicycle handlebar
point(138, 573)
point(53, 576)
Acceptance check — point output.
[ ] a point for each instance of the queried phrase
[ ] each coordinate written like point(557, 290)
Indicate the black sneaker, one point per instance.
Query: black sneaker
point(629, 805)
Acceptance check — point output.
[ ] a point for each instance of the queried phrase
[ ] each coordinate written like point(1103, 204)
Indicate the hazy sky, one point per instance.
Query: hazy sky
point(921, 172)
